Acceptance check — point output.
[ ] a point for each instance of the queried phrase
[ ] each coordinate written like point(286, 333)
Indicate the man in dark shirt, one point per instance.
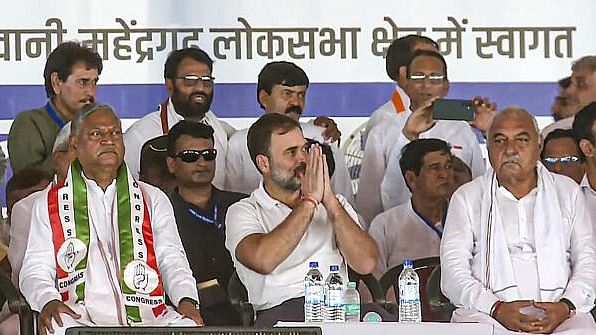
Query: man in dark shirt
point(200, 209)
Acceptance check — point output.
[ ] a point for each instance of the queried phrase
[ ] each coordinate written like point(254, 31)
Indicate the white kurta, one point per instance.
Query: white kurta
point(461, 270)
point(260, 214)
point(242, 174)
point(386, 112)
point(565, 123)
point(590, 198)
point(20, 219)
point(402, 234)
point(149, 127)
point(102, 304)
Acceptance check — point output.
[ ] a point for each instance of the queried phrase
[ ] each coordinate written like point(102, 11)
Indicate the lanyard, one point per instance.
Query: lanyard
point(52, 113)
point(430, 224)
point(205, 219)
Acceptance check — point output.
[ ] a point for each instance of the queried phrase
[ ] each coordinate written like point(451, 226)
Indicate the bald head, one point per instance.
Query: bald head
point(513, 112)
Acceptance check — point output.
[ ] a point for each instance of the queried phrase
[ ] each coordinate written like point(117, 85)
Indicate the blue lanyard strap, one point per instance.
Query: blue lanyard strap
point(52, 113)
point(205, 219)
point(430, 224)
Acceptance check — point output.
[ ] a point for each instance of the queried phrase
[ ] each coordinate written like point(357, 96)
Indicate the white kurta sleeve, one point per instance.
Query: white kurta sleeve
point(457, 246)
point(582, 283)
point(477, 164)
point(368, 199)
point(394, 190)
point(341, 181)
point(37, 279)
point(236, 166)
point(171, 259)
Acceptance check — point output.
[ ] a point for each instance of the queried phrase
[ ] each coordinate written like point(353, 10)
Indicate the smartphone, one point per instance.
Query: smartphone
point(453, 109)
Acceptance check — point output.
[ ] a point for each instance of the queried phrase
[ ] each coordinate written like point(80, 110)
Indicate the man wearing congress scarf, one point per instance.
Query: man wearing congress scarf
point(104, 248)
point(518, 247)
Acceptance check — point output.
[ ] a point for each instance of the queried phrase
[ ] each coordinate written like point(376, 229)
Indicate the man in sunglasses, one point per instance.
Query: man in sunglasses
point(560, 154)
point(189, 81)
point(381, 185)
point(281, 89)
point(200, 209)
point(293, 217)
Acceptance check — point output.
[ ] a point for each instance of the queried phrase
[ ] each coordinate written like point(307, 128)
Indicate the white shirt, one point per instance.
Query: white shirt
point(242, 174)
point(20, 218)
point(38, 273)
point(565, 123)
point(460, 246)
point(387, 111)
point(402, 234)
point(260, 214)
point(589, 196)
point(464, 145)
point(149, 127)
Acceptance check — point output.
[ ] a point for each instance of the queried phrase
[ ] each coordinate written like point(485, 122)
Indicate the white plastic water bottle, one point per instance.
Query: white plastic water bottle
point(409, 294)
point(351, 301)
point(313, 294)
point(334, 309)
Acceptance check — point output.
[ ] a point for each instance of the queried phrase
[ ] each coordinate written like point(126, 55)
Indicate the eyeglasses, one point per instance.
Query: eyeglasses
point(567, 160)
point(193, 80)
point(191, 156)
point(433, 77)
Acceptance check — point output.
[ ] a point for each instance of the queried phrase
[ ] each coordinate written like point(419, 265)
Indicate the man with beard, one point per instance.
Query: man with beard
point(281, 89)
point(518, 248)
point(294, 217)
point(189, 83)
point(70, 74)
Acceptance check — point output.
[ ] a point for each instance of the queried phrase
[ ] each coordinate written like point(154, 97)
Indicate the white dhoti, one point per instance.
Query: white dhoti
point(579, 324)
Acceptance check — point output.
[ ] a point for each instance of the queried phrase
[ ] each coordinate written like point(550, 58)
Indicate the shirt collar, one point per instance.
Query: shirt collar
point(264, 199)
point(585, 184)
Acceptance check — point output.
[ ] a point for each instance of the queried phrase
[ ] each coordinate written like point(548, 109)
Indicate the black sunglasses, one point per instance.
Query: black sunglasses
point(191, 156)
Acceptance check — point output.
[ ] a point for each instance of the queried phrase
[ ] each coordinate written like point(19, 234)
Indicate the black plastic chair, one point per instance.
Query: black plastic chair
point(373, 286)
point(239, 300)
point(438, 303)
point(424, 268)
point(17, 305)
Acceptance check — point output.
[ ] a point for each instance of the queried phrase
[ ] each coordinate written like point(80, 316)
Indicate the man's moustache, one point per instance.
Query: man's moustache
point(294, 109)
point(513, 159)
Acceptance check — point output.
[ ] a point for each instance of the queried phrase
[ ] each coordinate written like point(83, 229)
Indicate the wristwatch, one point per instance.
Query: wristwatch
point(570, 305)
point(192, 301)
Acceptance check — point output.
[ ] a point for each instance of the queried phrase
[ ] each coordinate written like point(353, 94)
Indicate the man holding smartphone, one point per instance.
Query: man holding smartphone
point(426, 82)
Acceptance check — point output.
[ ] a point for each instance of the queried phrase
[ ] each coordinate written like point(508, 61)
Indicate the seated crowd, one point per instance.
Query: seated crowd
point(150, 226)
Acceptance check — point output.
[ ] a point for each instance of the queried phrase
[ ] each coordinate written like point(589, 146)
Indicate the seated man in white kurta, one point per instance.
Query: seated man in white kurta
point(104, 248)
point(518, 247)
point(413, 230)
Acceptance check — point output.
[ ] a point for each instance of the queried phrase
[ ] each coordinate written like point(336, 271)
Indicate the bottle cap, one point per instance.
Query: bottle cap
point(334, 268)
point(313, 265)
point(408, 263)
point(351, 284)
point(372, 317)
